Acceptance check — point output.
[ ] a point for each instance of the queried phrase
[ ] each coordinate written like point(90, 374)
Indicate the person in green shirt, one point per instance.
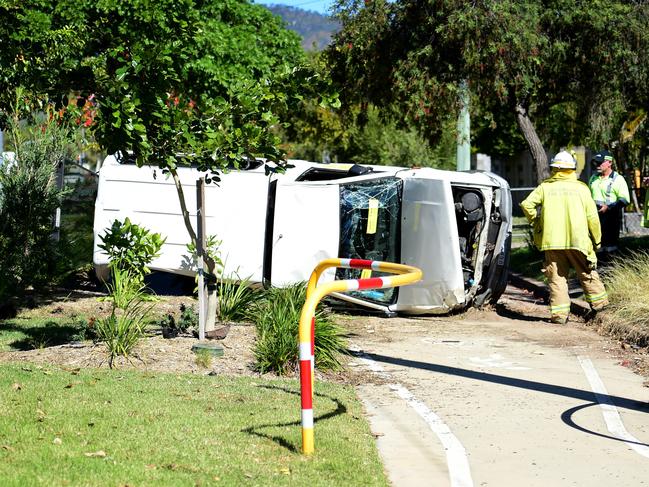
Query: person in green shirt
point(566, 228)
point(611, 195)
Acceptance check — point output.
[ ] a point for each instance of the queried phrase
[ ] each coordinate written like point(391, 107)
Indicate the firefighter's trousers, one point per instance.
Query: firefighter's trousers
point(557, 266)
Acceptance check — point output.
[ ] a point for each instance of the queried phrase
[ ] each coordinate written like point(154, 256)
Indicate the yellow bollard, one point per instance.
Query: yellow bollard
point(404, 275)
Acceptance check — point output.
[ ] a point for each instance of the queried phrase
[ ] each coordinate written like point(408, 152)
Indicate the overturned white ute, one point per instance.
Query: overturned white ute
point(454, 226)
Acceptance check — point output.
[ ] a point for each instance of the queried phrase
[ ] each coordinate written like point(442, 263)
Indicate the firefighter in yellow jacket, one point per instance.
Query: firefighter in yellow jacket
point(566, 228)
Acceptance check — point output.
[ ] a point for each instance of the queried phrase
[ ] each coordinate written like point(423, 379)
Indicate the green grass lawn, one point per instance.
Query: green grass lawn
point(102, 427)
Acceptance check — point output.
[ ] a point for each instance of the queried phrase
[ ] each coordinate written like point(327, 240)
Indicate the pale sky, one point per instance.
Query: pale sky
point(320, 6)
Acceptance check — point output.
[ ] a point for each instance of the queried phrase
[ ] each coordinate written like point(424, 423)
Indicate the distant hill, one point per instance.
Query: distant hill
point(315, 29)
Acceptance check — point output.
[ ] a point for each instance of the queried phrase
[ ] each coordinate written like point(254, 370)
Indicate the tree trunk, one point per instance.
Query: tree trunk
point(210, 316)
point(212, 304)
point(212, 297)
point(533, 142)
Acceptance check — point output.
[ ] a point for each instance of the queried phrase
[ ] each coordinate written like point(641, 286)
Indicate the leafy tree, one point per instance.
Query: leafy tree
point(520, 58)
point(365, 137)
point(176, 82)
point(380, 140)
point(362, 134)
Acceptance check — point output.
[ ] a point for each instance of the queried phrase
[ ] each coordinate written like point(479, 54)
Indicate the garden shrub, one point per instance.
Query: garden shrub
point(131, 247)
point(29, 197)
point(277, 318)
point(85, 330)
point(187, 321)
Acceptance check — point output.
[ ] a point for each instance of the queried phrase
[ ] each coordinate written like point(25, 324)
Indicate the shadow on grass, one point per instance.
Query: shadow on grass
point(61, 294)
point(48, 334)
point(283, 442)
point(33, 300)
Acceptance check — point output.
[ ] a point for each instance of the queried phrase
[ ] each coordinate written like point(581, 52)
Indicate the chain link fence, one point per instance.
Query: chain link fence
point(632, 225)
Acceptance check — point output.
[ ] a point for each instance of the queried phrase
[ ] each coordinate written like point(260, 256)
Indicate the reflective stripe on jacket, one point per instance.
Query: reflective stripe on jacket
point(608, 190)
point(568, 216)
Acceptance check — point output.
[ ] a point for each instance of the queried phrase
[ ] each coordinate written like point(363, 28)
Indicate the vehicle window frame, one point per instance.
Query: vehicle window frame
point(394, 225)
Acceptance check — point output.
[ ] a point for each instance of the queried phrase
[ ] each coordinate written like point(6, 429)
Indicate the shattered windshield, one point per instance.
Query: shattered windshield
point(370, 215)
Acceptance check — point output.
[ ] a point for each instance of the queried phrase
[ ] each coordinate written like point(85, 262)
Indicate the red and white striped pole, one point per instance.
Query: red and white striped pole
point(306, 334)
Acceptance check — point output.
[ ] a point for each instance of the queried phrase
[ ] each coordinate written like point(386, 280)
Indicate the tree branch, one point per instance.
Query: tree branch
point(183, 205)
point(211, 264)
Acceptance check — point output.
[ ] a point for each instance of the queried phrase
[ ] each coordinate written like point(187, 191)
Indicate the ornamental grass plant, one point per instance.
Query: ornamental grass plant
point(627, 317)
point(126, 324)
point(277, 317)
point(236, 298)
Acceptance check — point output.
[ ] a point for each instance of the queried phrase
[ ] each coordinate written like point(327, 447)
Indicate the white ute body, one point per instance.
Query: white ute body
point(454, 226)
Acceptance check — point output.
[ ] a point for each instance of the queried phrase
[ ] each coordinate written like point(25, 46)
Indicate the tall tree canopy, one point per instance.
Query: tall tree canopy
point(173, 82)
point(163, 73)
point(522, 58)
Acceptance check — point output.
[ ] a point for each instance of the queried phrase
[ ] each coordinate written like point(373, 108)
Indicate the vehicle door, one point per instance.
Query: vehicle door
point(305, 226)
point(356, 218)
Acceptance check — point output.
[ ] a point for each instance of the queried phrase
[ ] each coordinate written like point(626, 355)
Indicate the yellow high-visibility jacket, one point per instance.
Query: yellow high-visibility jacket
point(612, 190)
point(568, 216)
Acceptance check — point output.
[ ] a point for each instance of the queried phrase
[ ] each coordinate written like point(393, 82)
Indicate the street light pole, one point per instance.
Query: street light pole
point(464, 130)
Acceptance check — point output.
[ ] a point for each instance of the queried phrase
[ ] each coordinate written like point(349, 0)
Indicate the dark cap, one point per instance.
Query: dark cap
point(601, 157)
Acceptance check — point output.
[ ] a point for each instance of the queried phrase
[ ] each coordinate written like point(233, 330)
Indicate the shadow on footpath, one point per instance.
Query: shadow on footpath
point(564, 391)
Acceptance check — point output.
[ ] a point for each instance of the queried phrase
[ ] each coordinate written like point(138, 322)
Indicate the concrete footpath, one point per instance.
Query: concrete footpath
point(502, 397)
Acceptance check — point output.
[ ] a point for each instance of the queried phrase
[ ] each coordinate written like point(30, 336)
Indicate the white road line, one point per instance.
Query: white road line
point(609, 411)
point(458, 464)
point(456, 458)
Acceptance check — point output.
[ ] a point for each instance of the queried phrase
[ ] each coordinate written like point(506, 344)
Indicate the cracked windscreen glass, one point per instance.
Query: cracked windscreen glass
point(370, 214)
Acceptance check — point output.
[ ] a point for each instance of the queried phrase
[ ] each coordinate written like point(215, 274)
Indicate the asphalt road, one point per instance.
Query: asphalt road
point(501, 398)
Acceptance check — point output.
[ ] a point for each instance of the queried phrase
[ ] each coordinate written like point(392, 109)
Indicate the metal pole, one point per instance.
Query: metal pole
point(200, 249)
point(464, 130)
point(60, 183)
